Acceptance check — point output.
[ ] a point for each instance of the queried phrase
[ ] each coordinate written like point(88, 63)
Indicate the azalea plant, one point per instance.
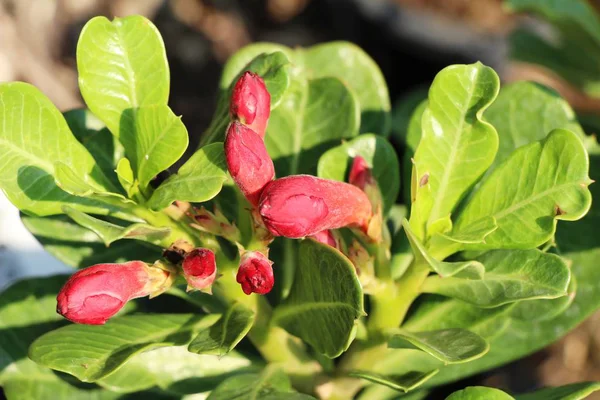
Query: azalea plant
point(278, 260)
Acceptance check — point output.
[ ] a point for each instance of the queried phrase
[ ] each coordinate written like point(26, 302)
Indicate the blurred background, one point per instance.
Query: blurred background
point(411, 40)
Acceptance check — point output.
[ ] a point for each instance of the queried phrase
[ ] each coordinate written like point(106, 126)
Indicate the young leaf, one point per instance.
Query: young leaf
point(540, 183)
point(349, 63)
point(379, 154)
point(472, 269)
point(457, 146)
point(510, 275)
point(545, 309)
point(199, 179)
point(122, 65)
point(574, 391)
point(175, 370)
point(226, 333)
point(79, 247)
point(448, 345)
point(154, 138)
point(270, 384)
point(324, 301)
point(525, 112)
point(91, 352)
point(110, 232)
point(479, 393)
point(404, 383)
point(126, 177)
point(33, 136)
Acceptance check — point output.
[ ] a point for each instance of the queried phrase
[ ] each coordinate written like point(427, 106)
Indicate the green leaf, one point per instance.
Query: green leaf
point(377, 152)
point(525, 112)
point(226, 333)
point(472, 268)
point(198, 180)
point(271, 384)
point(404, 383)
point(404, 116)
point(448, 345)
point(479, 393)
point(92, 352)
point(33, 136)
point(540, 183)
point(79, 247)
point(325, 299)
point(349, 63)
point(175, 370)
point(509, 276)
point(97, 139)
point(110, 232)
point(545, 309)
point(413, 137)
point(122, 65)
point(126, 177)
point(457, 145)
point(154, 138)
point(574, 391)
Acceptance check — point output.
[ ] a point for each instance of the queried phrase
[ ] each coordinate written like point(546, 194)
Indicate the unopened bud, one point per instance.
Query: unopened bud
point(327, 237)
point(251, 102)
point(302, 205)
point(248, 161)
point(199, 268)
point(95, 294)
point(255, 274)
point(215, 224)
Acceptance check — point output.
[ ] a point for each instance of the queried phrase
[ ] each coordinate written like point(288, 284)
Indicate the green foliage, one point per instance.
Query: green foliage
point(479, 393)
point(404, 383)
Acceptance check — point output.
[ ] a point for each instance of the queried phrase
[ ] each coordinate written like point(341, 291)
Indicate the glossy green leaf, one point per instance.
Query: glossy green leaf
point(325, 300)
point(457, 146)
point(510, 275)
point(226, 333)
point(270, 384)
point(97, 139)
point(126, 177)
point(405, 382)
point(349, 63)
point(122, 65)
point(92, 352)
point(526, 112)
point(154, 138)
point(199, 179)
point(110, 232)
point(413, 137)
point(479, 393)
point(574, 391)
point(33, 136)
point(175, 370)
point(472, 268)
point(540, 183)
point(448, 345)
point(545, 309)
point(79, 247)
point(403, 117)
point(377, 152)
point(270, 61)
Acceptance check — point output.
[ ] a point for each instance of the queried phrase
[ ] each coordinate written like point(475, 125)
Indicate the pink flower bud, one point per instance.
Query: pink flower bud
point(248, 161)
point(255, 273)
point(303, 205)
point(199, 268)
point(326, 237)
point(251, 102)
point(95, 294)
point(360, 173)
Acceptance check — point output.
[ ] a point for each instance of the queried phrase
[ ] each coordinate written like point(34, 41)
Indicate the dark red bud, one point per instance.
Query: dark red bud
point(95, 294)
point(251, 102)
point(255, 273)
point(303, 205)
point(199, 268)
point(248, 161)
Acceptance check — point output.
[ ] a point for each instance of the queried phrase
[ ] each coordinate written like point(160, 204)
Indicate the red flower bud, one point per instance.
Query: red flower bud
point(326, 237)
point(248, 161)
point(95, 294)
point(255, 273)
point(251, 102)
point(303, 205)
point(360, 173)
point(199, 268)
